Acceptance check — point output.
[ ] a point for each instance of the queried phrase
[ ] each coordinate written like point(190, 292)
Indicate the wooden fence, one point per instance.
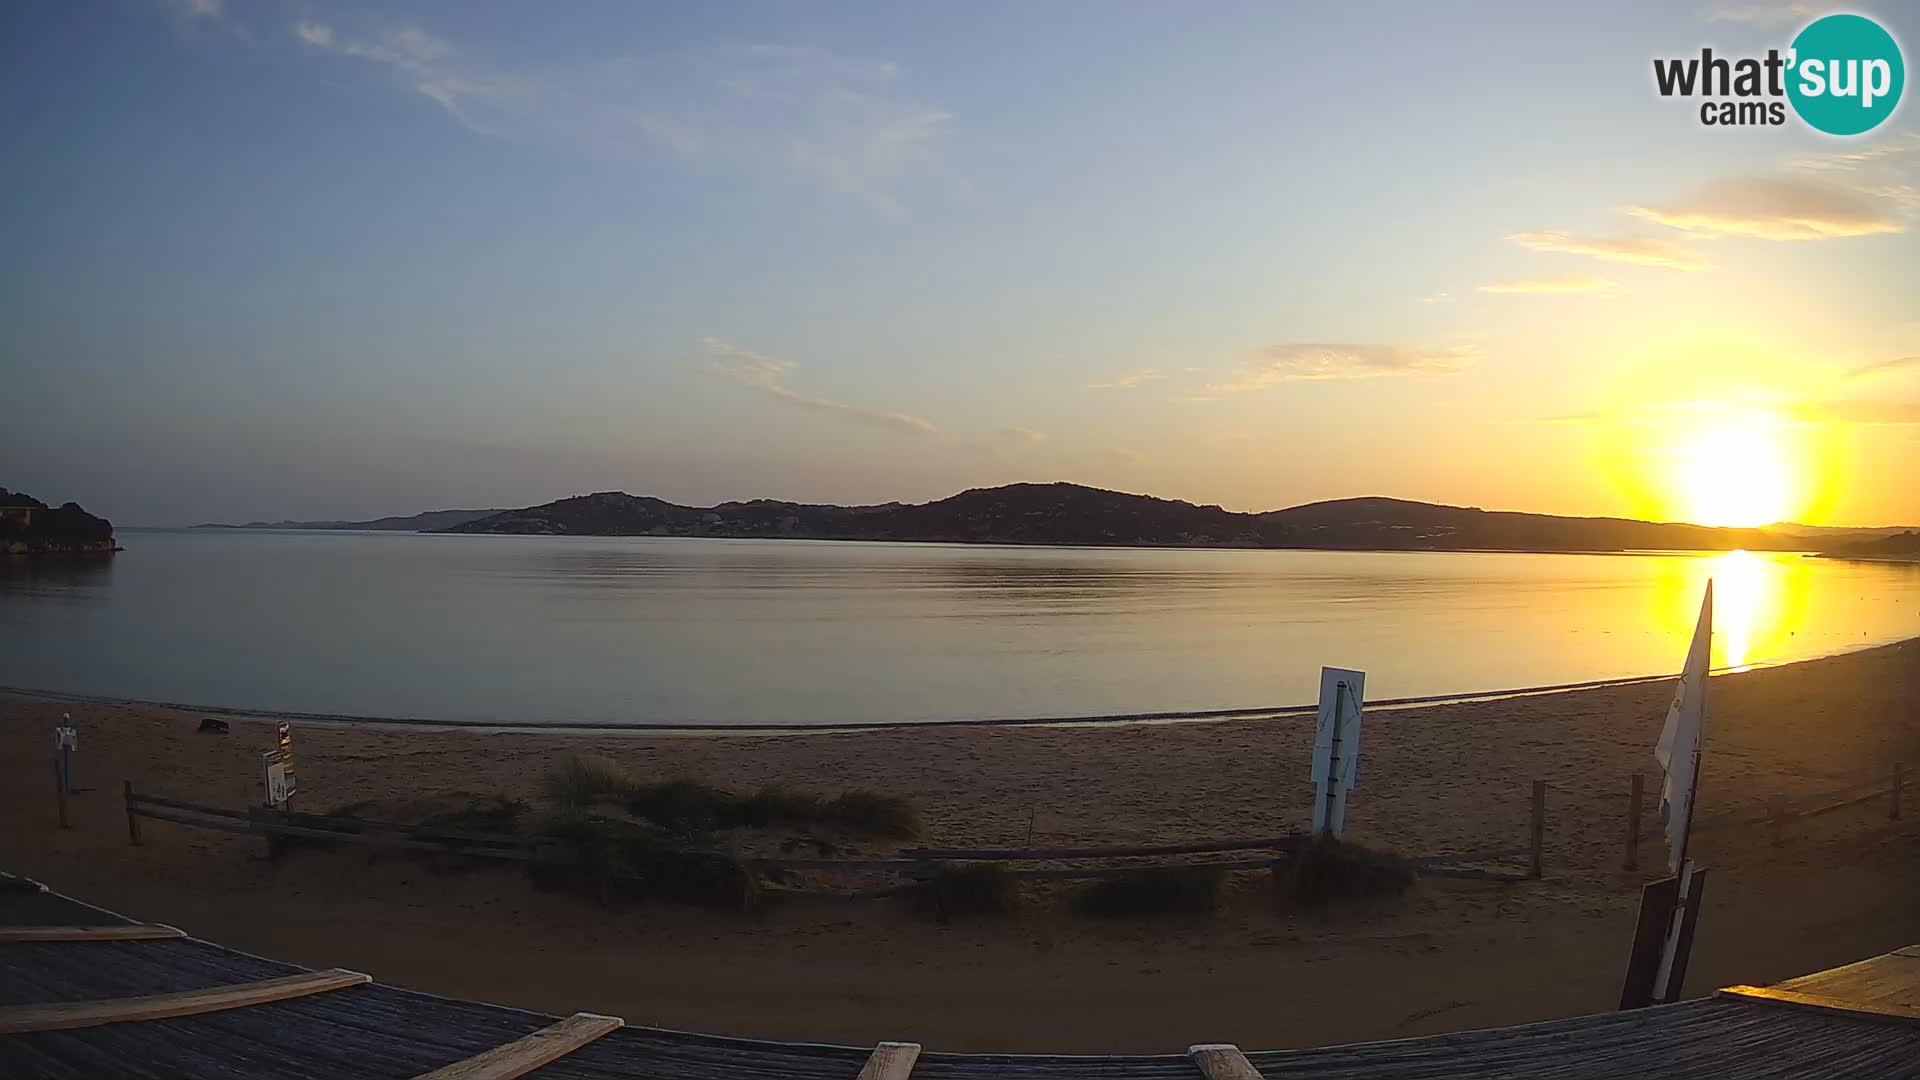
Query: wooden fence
point(917, 865)
point(1778, 813)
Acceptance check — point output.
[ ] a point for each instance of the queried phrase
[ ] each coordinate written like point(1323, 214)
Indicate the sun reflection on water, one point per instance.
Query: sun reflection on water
point(1759, 601)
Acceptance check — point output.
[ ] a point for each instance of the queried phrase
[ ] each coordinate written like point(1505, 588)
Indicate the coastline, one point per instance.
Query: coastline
point(1177, 716)
point(1437, 777)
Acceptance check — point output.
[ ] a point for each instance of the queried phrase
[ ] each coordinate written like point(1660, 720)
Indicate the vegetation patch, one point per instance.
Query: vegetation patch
point(496, 814)
point(1159, 890)
point(689, 806)
point(582, 781)
point(967, 889)
point(1328, 871)
point(581, 785)
point(613, 860)
point(344, 818)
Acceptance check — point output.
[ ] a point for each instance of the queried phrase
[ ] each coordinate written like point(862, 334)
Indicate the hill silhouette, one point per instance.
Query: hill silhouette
point(1073, 514)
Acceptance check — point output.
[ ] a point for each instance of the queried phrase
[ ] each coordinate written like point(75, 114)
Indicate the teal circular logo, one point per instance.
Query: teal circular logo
point(1847, 74)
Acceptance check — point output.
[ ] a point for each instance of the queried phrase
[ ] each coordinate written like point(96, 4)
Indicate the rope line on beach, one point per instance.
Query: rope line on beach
point(1257, 712)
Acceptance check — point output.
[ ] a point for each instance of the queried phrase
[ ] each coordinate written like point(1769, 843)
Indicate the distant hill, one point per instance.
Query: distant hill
point(1829, 534)
point(1073, 514)
point(431, 521)
point(1900, 547)
point(31, 527)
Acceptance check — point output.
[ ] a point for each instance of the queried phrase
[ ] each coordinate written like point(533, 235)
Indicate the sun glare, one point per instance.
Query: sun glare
point(1736, 474)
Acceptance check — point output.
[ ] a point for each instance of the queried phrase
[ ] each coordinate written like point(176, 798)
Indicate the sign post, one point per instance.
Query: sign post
point(1336, 747)
point(66, 739)
point(276, 766)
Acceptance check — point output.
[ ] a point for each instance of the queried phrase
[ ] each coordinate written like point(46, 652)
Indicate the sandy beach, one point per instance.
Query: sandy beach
point(1449, 955)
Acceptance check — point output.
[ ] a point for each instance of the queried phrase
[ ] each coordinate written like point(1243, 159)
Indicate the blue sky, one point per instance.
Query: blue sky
point(312, 260)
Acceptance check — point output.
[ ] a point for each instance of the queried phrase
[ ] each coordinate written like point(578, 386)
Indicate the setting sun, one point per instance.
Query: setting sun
point(1734, 474)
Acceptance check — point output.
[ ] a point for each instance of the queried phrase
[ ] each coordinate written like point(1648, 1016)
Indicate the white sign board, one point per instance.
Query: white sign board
point(278, 766)
point(1336, 746)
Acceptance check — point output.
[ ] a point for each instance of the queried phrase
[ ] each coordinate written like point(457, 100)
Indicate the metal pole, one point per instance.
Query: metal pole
point(133, 820)
point(60, 794)
point(1539, 825)
point(1635, 800)
point(1333, 762)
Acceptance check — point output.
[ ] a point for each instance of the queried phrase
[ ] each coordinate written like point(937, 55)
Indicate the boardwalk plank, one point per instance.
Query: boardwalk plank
point(17, 1019)
point(522, 1056)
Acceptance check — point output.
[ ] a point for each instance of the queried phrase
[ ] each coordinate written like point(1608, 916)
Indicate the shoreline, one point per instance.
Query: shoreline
point(1201, 716)
point(1437, 777)
point(1806, 552)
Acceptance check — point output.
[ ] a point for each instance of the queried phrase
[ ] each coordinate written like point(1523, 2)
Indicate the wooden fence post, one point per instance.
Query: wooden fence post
point(133, 820)
point(1893, 805)
point(1539, 825)
point(1634, 801)
point(1777, 820)
point(60, 793)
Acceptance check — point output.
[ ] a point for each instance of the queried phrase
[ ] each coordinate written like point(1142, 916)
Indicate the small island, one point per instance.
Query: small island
point(1900, 547)
point(31, 527)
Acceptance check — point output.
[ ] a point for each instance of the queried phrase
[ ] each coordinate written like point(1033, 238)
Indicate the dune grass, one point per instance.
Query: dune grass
point(612, 860)
point(581, 781)
point(580, 784)
point(967, 889)
point(482, 814)
point(1327, 871)
point(690, 806)
point(1159, 890)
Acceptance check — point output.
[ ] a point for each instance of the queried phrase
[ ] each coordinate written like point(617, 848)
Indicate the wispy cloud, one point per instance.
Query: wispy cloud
point(767, 374)
point(1875, 413)
point(1303, 362)
point(1562, 283)
point(1628, 249)
point(1436, 298)
point(756, 109)
point(1761, 14)
point(1126, 380)
point(1774, 209)
point(1024, 434)
point(199, 9)
point(1886, 367)
point(1851, 160)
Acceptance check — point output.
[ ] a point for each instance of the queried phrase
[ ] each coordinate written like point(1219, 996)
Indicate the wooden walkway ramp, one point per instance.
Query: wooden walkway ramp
point(154, 1006)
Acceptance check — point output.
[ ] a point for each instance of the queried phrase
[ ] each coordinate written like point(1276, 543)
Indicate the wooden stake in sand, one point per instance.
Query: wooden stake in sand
point(1539, 833)
point(133, 819)
point(1636, 799)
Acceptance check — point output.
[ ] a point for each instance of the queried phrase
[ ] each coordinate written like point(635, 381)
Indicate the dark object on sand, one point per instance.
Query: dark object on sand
point(210, 726)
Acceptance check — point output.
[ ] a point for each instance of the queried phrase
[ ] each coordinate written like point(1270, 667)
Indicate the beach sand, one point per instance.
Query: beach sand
point(1450, 955)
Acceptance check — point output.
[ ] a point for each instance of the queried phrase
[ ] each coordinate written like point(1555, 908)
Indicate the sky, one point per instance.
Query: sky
point(332, 260)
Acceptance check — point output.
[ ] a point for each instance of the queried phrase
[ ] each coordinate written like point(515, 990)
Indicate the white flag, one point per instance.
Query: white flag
point(1679, 748)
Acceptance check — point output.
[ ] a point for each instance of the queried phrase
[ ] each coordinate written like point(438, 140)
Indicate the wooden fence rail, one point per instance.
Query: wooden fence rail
point(917, 864)
point(1779, 810)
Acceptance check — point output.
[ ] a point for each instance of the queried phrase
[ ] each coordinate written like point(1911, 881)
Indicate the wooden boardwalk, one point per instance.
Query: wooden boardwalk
point(145, 1005)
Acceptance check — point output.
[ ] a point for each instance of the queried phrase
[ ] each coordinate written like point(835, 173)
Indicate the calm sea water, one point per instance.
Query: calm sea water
point(536, 629)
